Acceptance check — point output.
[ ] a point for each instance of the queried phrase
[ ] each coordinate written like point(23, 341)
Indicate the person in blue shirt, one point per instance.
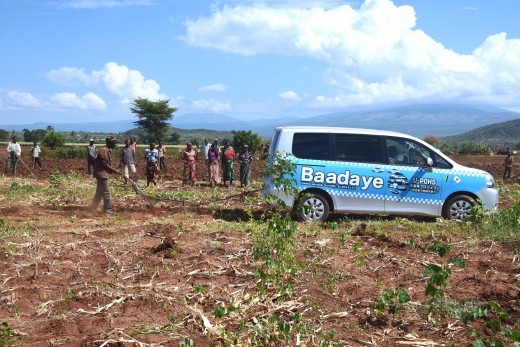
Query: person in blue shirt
point(151, 155)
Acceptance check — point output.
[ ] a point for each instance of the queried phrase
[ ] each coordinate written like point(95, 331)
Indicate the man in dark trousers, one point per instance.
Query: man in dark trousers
point(102, 170)
point(91, 156)
point(508, 165)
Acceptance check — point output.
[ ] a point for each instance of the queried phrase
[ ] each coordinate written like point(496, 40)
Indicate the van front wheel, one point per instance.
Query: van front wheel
point(458, 207)
point(313, 207)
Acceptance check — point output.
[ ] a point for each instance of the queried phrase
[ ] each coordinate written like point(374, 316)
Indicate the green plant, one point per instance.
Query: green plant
point(199, 289)
point(56, 179)
point(359, 260)
point(71, 152)
point(275, 246)
point(222, 311)
point(395, 300)
point(502, 225)
point(494, 318)
point(69, 294)
point(53, 139)
point(438, 277)
point(7, 335)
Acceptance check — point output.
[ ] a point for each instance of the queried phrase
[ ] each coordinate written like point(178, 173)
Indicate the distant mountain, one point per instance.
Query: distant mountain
point(419, 120)
point(105, 127)
point(498, 135)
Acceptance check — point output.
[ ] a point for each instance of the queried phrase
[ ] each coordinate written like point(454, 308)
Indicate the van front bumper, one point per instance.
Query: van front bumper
point(489, 198)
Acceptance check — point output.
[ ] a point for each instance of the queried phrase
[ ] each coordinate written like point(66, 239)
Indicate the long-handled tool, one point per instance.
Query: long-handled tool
point(151, 200)
point(20, 158)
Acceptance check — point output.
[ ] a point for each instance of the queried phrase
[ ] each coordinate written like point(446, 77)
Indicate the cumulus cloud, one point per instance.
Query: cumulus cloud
point(118, 79)
point(70, 76)
point(95, 4)
point(373, 53)
point(128, 83)
point(218, 87)
point(89, 101)
point(210, 105)
point(22, 99)
point(290, 96)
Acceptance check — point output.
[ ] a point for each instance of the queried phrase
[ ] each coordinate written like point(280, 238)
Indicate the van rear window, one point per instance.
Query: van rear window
point(311, 146)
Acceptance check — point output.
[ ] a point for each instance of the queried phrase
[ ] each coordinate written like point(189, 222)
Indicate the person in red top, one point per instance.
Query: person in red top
point(189, 155)
point(102, 171)
point(228, 158)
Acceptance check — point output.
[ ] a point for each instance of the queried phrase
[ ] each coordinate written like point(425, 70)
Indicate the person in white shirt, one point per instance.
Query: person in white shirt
point(206, 148)
point(14, 151)
point(35, 154)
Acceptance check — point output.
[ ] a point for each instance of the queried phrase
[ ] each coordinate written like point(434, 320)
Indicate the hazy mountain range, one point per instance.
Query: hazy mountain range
point(418, 120)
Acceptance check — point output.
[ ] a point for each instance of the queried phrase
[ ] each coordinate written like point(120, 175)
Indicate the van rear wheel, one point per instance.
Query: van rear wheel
point(313, 207)
point(458, 207)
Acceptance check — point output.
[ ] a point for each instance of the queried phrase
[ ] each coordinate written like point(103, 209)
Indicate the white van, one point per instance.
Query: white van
point(361, 171)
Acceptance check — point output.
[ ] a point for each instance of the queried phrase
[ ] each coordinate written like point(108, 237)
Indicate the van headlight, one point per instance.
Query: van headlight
point(490, 181)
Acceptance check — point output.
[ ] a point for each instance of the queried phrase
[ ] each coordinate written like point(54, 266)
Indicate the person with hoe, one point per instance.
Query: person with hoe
point(508, 165)
point(91, 156)
point(14, 151)
point(35, 154)
point(245, 158)
point(151, 155)
point(189, 156)
point(102, 170)
point(228, 157)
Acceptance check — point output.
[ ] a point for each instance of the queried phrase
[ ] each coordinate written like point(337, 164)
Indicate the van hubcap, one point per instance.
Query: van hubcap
point(316, 209)
point(460, 210)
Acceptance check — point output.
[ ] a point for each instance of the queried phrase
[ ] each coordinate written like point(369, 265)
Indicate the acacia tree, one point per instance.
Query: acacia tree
point(153, 116)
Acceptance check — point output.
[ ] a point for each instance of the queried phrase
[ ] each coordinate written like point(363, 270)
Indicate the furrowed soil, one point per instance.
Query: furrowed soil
point(153, 272)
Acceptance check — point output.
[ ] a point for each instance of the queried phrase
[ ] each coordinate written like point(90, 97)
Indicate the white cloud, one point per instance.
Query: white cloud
point(218, 87)
point(210, 105)
point(290, 96)
point(95, 4)
point(89, 101)
point(22, 99)
point(127, 83)
point(373, 53)
point(118, 79)
point(70, 76)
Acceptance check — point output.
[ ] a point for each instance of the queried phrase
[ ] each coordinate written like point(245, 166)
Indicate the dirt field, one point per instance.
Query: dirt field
point(154, 275)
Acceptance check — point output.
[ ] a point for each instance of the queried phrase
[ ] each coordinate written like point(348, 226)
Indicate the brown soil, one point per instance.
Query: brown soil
point(148, 275)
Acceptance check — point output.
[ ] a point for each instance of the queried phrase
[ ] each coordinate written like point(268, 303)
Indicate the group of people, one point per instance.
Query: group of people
point(14, 153)
point(100, 165)
point(217, 158)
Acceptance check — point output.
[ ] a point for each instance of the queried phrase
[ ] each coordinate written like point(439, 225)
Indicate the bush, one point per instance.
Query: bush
point(72, 152)
point(53, 139)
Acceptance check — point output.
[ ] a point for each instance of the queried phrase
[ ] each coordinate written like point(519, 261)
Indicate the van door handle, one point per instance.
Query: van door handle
point(377, 169)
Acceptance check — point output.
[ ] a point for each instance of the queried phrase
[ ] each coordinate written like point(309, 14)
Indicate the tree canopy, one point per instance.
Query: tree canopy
point(153, 116)
point(242, 137)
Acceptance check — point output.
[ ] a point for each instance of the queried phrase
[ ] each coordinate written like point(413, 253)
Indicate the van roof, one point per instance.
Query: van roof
point(342, 130)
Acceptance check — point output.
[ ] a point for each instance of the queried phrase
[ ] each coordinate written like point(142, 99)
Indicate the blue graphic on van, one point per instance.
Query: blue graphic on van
point(397, 182)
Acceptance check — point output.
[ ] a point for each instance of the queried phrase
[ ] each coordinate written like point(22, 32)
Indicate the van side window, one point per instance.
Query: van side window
point(401, 151)
point(357, 148)
point(311, 146)
point(441, 163)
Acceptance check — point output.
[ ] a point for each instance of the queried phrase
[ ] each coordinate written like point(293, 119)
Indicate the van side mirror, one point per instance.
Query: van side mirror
point(429, 162)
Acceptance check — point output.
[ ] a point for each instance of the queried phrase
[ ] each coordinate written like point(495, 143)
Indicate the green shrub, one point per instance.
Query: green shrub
point(71, 152)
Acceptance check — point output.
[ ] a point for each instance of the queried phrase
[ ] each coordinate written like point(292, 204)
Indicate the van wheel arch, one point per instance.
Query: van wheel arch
point(458, 205)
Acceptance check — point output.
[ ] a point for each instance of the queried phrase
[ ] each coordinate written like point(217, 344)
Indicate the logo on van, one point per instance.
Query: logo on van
point(343, 180)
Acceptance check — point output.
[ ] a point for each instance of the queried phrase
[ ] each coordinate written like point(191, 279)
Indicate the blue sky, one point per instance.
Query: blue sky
point(69, 61)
